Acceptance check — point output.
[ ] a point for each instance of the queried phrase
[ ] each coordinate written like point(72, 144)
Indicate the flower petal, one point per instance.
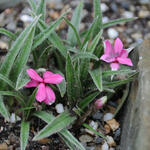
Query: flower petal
point(54, 79)
point(33, 75)
point(124, 53)
point(41, 93)
point(114, 66)
point(50, 96)
point(107, 58)
point(118, 46)
point(32, 83)
point(47, 74)
point(109, 49)
point(125, 61)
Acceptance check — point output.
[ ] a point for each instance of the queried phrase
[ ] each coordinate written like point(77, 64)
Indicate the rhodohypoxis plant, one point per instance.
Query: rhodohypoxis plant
point(44, 93)
point(116, 55)
point(79, 76)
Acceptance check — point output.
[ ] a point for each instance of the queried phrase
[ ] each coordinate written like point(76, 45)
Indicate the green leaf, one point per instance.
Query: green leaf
point(95, 42)
point(118, 21)
point(74, 30)
point(97, 16)
point(41, 9)
point(85, 102)
point(15, 94)
point(110, 73)
point(6, 80)
point(69, 139)
point(94, 131)
point(97, 78)
point(24, 134)
point(67, 135)
point(54, 39)
point(12, 54)
point(22, 79)
point(60, 122)
point(8, 33)
point(33, 5)
point(82, 55)
point(62, 86)
point(22, 57)
point(71, 80)
point(76, 19)
point(3, 110)
point(45, 34)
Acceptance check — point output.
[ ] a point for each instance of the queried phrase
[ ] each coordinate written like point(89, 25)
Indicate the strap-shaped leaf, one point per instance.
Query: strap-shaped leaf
point(32, 5)
point(76, 19)
point(24, 134)
point(84, 103)
point(41, 9)
point(8, 33)
point(22, 57)
point(12, 54)
point(118, 21)
point(60, 122)
point(3, 110)
point(44, 35)
point(97, 78)
point(97, 16)
point(82, 55)
point(69, 139)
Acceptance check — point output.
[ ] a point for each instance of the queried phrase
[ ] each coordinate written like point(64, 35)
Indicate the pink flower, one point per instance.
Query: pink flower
point(44, 93)
point(116, 55)
point(100, 102)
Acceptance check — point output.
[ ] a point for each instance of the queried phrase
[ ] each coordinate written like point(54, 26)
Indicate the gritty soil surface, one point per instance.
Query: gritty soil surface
point(15, 19)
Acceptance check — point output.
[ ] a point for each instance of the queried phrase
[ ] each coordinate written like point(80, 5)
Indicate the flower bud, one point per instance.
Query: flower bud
point(100, 102)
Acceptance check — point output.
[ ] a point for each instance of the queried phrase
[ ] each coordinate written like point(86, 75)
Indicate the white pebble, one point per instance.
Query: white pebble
point(108, 116)
point(94, 125)
point(104, 7)
point(26, 18)
point(105, 19)
point(112, 33)
point(59, 108)
point(105, 146)
point(128, 14)
point(14, 118)
point(111, 148)
point(110, 141)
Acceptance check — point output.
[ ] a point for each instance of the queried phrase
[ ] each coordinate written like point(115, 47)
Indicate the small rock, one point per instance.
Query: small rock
point(54, 15)
point(3, 146)
point(85, 138)
point(108, 116)
point(143, 13)
point(114, 7)
point(114, 125)
point(128, 14)
point(3, 45)
point(104, 7)
point(14, 118)
point(59, 108)
point(97, 116)
point(111, 148)
point(26, 18)
point(144, 1)
point(98, 140)
point(136, 36)
point(105, 146)
point(107, 128)
point(117, 134)
point(94, 125)
point(89, 132)
point(110, 141)
point(112, 33)
point(105, 19)
point(125, 5)
point(2, 22)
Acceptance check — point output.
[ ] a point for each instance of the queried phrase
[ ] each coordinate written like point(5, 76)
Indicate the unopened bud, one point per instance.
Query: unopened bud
point(100, 102)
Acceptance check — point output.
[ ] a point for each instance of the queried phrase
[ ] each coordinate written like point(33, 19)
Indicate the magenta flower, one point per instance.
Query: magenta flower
point(116, 55)
point(44, 93)
point(100, 102)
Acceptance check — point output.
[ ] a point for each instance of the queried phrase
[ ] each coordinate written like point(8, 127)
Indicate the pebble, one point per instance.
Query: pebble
point(112, 33)
point(59, 108)
point(114, 125)
point(14, 118)
point(117, 134)
point(105, 19)
point(108, 116)
point(3, 146)
point(85, 138)
point(3, 45)
point(98, 140)
point(104, 7)
point(112, 148)
point(11, 26)
point(143, 13)
point(110, 141)
point(97, 116)
point(107, 128)
point(128, 14)
point(136, 36)
point(2, 23)
point(114, 7)
point(94, 125)
point(105, 146)
point(26, 18)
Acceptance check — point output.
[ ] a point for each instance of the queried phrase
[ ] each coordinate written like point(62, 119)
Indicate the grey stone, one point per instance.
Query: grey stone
point(135, 133)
